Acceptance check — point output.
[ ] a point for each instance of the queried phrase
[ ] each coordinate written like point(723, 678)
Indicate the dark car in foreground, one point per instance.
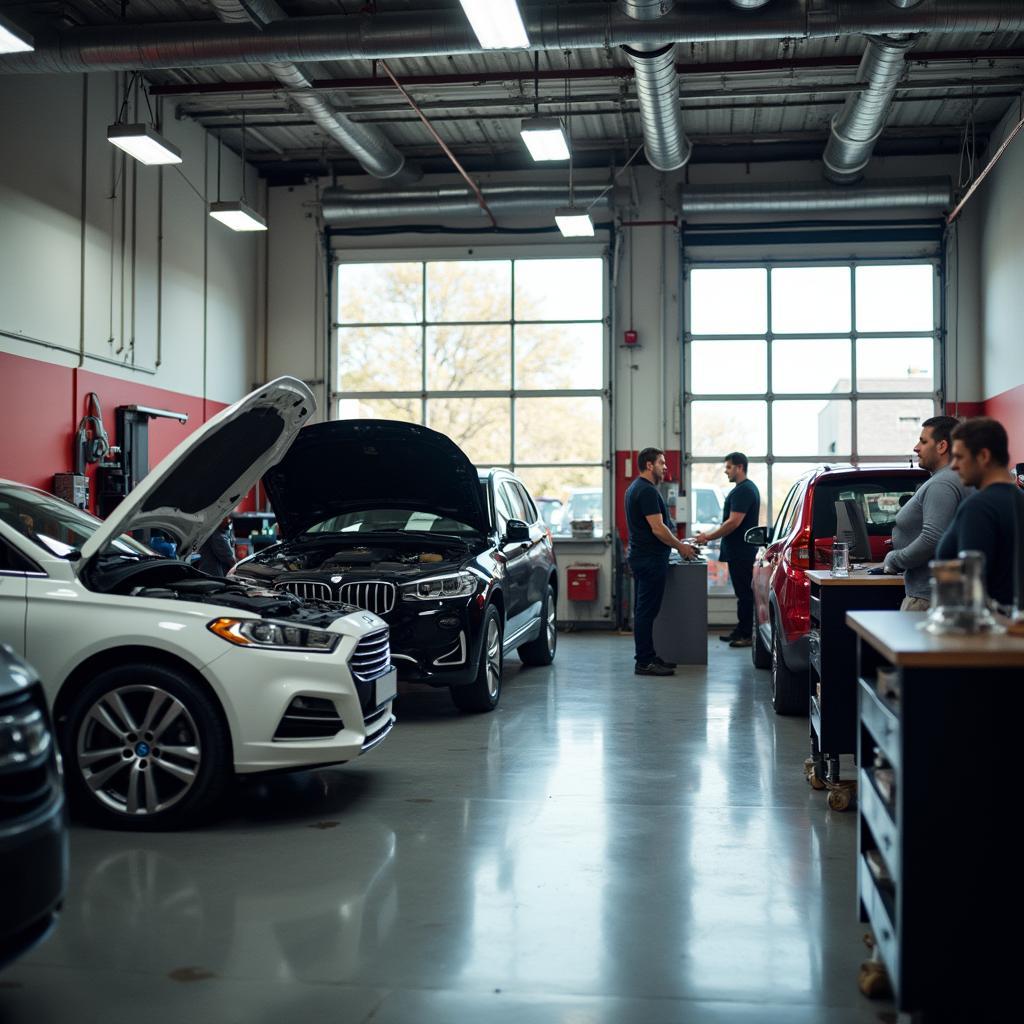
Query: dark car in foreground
point(801, 539)
point(394, 518)
point(33, 836)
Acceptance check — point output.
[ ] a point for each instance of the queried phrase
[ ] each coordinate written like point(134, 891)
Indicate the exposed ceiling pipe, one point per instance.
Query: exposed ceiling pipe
point(748, 5)
point(366, 142)
point(657, 91)
point(343, 208)
point(856, 128)
point(904, 4)
point(551, 26)
point(820, 197)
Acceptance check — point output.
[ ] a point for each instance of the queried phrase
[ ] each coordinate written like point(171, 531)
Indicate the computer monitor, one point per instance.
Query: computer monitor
point(852, 529)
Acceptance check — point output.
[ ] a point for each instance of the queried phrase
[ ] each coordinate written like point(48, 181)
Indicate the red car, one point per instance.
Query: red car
point(802, 539)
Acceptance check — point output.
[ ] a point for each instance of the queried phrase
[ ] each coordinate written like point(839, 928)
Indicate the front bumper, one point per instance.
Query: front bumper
point(34, 854)
point(437, 643)
point(258, 688)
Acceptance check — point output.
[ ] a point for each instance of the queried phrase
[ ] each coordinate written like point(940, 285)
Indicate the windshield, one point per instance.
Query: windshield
point(54, 525)
point(390, 520)
point(880, 499)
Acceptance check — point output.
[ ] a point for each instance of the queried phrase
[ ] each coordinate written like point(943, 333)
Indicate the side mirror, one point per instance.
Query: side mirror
point(517, 532)
point(759, 536)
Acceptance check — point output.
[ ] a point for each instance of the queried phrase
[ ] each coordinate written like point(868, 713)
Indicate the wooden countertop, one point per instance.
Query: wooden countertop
point(896, 636)
point(857, 578)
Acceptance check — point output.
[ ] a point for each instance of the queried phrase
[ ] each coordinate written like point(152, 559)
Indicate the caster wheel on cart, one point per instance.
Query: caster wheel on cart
point(839, 799)
point(815, 779)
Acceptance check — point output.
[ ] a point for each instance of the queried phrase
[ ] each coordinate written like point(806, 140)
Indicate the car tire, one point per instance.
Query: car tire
point(484, 692)
point(542, 650)
point(789, 689)
point(760, 655)
point(121, 769)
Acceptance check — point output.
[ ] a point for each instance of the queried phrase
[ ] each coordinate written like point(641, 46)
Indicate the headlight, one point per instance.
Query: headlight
point(440, 588)
point(24, 736)
point(273, 636)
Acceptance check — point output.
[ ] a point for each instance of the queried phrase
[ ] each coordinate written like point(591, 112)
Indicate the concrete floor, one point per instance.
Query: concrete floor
point(602, 848)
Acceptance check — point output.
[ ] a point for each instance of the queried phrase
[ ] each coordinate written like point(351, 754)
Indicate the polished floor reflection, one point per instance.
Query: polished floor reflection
point(603, 848)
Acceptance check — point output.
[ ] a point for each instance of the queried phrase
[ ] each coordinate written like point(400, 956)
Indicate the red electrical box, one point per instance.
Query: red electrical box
point(582, 580)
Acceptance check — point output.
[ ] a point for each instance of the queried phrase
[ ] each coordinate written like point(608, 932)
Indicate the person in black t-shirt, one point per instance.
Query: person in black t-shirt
point(742, 506)
point(987, 521)
point(650, 541)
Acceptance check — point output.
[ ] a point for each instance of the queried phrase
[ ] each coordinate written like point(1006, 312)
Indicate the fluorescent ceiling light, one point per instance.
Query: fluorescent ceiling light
point(13, 39)
point(238, 216)
point(143, 143)
point(497, 23)
point(574, 222)
point(544, 138)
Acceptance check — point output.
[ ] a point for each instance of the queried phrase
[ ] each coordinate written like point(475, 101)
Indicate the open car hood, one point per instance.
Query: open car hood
point(191, 491)
point(353, 465)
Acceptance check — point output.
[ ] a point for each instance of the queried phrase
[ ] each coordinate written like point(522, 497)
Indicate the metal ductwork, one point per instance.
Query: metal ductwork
point(821, 197)
point(343, 208)
point(657, 91)
point(748, 5)
point(367, 143)
point(551, 26)
point(904, 4)
point(856, 128)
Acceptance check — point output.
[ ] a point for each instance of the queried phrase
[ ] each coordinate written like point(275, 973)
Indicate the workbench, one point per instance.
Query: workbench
point(833, 671)
point(681, 626)
point(940, 720)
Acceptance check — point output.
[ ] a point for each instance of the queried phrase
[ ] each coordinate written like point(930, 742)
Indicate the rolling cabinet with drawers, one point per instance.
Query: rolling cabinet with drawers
point(939, 724)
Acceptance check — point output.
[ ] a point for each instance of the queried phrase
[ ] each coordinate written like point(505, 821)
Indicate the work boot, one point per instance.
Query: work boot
point(663, 663)
point(652, 668)
point(742, 641)
point(727, 638)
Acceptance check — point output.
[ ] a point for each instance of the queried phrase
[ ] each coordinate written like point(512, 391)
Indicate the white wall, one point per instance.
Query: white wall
point(81, 271)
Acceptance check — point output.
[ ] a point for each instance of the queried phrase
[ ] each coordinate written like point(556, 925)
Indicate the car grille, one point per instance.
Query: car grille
point(372, 656)
point(377, 596)
point(33, 784)
point(308, 590)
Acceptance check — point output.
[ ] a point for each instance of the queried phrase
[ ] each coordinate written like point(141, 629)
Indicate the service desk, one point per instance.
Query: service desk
point(833, 672)
point(681, 628)
point(937, 870)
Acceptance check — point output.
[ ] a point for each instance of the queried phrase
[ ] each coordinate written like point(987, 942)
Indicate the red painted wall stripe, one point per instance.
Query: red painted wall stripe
point(1008, 408)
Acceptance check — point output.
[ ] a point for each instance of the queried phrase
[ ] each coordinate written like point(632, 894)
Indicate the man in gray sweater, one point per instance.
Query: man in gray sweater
point(924, 518)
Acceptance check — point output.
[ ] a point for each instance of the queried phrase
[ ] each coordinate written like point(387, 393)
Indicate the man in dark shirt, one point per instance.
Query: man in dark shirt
point(650, 541)
point(742, 506)
point(217, 554)
point(988, 520)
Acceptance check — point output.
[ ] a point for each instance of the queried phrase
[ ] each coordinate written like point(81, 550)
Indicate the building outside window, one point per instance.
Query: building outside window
point(505, 356)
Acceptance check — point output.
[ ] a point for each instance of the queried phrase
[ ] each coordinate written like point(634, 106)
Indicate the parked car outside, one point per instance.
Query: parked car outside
point(801, 539)
point(33, 833)
point(164, 681)
point(457, 562)
point(551, 512)
point(584, 503)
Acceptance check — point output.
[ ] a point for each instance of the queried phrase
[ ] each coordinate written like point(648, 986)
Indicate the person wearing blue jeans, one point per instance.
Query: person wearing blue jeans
point(650, 541)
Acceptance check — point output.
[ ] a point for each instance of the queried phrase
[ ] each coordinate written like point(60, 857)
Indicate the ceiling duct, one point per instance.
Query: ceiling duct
point(904, 4)
point(367, 143)
point(551, 26)
point(343, 208)
point(856, 128)
point(657, 91)
point(748, 5)
point(817, 197)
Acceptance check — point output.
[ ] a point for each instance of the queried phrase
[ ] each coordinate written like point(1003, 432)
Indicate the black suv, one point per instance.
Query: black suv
point(394, 518)
point(33, 835)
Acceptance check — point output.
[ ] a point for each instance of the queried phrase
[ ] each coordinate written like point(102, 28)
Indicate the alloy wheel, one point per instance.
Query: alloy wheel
point(493, 658)
point(138, 750)
point(552, 631)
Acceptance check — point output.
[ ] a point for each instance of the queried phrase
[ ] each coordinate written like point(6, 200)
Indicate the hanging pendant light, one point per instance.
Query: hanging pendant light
point(236, 214)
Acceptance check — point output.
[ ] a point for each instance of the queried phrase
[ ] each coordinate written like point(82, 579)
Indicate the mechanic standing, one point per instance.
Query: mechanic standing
point(650, 541)
point(742, 507)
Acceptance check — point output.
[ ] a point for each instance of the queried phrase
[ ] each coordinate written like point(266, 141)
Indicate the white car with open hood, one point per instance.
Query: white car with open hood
point(163, 680)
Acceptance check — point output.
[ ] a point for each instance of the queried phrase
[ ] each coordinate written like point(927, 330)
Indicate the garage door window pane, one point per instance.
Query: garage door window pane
point(821, 365)
point(469, 290)
point(891, 426)
point(896, 298)
point(729, 301)
point(895, 364)
point(408, 410)
point(728, 367)
point(550, 356)
point(809, 300)
point(463, 357)
point(819, 427)
point(561, 493)
point(375, 293)
point(481, 427)
point(720, 427)
point(379, 358)
point(559, 289)
point(784, 475)
point(558, 429)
